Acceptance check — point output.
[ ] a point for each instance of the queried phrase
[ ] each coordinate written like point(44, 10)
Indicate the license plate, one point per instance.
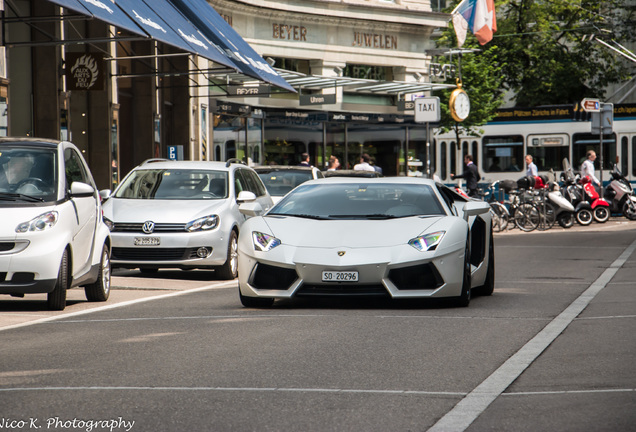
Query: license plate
point(147, 241)
point(340, 276)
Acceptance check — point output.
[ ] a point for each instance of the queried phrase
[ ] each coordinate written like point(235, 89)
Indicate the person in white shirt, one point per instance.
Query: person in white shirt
point(364, 163)
point(532, 168)
point(587, 168)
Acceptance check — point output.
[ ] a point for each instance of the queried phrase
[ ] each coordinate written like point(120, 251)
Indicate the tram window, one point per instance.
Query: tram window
point(548, 151)
point(584, 142)
point(633, 156)
point(475, 153)
point(453, 157)
point(502, 153)
point(547, 158)
point(623, 158)
point(442, 160)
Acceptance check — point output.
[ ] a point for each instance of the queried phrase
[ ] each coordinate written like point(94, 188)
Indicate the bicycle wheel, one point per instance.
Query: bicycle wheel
point(547, 216)
point(499, 216)
point(527, 217)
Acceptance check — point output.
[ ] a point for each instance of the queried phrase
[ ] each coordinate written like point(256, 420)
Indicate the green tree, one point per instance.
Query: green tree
point(482, 79)
point(547, 53)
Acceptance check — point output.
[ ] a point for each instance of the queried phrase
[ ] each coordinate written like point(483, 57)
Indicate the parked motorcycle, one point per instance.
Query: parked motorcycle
point(600, 207)
point(620, 195)
point(573, 192)
point(563, 208)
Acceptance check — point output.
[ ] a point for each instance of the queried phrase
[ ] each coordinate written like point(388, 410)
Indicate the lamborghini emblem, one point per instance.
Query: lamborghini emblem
point(341, 253)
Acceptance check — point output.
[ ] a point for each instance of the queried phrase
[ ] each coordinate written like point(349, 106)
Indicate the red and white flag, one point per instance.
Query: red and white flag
point(479, 16)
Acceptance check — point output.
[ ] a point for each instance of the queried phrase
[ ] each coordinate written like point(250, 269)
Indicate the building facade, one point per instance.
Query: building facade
point(122, 97)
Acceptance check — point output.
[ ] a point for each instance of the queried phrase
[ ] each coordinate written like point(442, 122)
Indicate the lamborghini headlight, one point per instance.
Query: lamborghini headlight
point(264, 242)
point(203, 224)
point(427, 242)
point(40, 223)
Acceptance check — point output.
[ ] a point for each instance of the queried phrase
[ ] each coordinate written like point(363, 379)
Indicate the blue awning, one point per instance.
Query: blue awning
point(192, 26)
point(174, 30)
point(215, 28)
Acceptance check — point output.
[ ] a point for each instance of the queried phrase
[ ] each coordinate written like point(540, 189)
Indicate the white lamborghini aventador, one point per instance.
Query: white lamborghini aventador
point(399, 237)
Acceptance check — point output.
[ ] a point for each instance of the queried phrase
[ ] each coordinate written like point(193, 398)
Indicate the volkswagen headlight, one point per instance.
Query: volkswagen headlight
point(427, 242)
point(264, 242)
point(205, 223)
point(40, 223)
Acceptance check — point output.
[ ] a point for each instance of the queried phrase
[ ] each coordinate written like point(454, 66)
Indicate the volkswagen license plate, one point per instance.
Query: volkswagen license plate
point(147, 241)
point(340, 276)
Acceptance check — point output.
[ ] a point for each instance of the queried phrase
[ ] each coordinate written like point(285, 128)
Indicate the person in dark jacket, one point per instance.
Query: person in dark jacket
point(470, 174)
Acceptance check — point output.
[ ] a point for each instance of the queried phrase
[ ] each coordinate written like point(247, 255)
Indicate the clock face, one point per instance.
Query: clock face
point(461, 106)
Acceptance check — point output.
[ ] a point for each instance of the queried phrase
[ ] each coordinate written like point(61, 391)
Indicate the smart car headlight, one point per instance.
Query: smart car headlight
point(264, 242)
point(109, 224)
point(203, 224)
point(427, 242)
point(40, 223)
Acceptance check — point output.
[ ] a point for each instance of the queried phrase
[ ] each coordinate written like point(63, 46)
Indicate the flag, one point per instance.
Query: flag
point(479, 16)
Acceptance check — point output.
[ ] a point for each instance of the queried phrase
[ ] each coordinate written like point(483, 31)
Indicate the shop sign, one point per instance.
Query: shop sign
point(442, 71)
point(231, 108)
point(245, 91)
point(85, 71)
point(317, 99)
point(405, 105)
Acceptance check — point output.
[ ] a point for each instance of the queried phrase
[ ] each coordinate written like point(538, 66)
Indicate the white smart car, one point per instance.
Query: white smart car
point(52, 236)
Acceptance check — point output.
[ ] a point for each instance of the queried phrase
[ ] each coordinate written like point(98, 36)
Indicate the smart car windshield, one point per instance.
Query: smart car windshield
point(279, 182)
point(360, 201)
point(28, 173)
point(174, 184)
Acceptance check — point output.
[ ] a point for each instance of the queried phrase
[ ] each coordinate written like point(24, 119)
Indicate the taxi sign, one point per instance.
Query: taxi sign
point(591, 105)
point(427, 109)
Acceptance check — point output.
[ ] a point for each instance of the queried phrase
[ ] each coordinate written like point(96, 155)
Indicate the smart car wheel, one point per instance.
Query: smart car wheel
point(229, 270)
point(464, 299)
point(100, 290)
point(56, 299)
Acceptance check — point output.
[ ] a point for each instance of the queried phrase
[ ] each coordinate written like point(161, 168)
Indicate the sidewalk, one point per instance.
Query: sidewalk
point(615, 223)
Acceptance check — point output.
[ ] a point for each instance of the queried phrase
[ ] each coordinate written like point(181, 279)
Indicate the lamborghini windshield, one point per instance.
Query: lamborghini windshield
point(359, 201)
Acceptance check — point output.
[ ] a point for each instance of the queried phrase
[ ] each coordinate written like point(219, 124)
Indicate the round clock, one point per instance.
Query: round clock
point(459, 104)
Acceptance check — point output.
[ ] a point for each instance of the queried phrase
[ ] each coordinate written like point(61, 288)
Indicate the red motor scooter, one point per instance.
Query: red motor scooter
point(600, 207)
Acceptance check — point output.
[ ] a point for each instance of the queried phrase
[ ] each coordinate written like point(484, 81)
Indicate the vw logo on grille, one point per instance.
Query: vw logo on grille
point(341, 253)
point(148, 227)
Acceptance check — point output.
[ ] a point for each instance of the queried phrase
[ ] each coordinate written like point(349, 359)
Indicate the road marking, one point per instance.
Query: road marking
point(478, 400)
point(118, 305)
point(304, 390)
point(236, 389)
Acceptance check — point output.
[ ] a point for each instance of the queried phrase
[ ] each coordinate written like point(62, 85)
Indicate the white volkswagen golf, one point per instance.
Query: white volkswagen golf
point(52, 236)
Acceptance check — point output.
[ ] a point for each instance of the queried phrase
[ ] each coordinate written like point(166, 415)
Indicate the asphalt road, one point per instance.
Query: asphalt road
point(552, 349)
